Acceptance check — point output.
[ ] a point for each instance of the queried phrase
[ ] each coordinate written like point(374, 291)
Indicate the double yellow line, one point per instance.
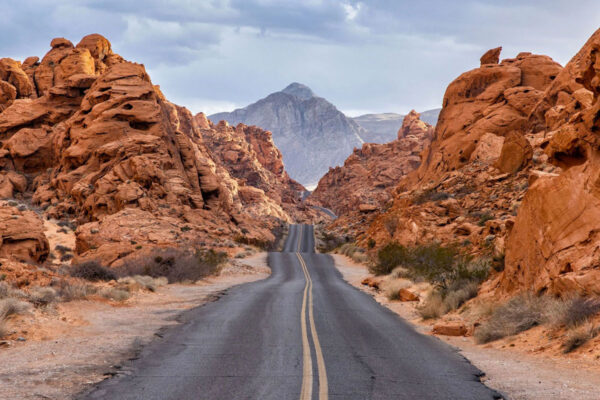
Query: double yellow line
point(307, 376)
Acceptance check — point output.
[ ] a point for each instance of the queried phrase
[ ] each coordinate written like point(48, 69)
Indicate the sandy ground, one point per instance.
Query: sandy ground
point(510, 366)
point(73, 345)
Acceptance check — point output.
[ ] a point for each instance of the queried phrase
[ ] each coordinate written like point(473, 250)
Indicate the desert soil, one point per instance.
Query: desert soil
point(76, 344)
point(510, 366)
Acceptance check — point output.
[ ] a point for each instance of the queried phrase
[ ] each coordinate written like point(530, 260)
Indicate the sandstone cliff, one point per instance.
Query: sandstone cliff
point(85, 136)
point(555, 243)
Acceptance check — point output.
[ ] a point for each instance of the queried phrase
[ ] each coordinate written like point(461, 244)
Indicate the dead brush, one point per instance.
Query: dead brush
point(42, 296)
point(579, 336)
point(8, 307)
point(144, 282)
point(517, 315)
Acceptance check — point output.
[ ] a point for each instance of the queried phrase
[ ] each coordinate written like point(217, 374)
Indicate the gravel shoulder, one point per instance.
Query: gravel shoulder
point(511, 367)
point(80, 343)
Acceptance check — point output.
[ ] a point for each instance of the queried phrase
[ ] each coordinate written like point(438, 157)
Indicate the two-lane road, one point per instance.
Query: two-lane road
point(303, 333)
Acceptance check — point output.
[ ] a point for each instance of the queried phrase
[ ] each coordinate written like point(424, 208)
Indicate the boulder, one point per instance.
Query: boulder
point(407, 295)
point(450, 329)
point(492, 56)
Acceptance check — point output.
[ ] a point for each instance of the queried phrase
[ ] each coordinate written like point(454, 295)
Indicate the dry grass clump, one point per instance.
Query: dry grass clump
point(70, 291)
point(579, 336)
point(114, 294)
point(433, 306)
point(354, 252)
point(519, 314)
point(573, 311)
point(392, 288)
point(8, 307)
point(176, 265)
point(144, 282)
point(42, 296)
point(8, 291)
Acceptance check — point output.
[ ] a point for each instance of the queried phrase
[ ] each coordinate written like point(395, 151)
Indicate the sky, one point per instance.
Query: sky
point(363, 56)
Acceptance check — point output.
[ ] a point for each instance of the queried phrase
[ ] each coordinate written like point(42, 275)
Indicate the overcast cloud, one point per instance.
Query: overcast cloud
point(364, 56)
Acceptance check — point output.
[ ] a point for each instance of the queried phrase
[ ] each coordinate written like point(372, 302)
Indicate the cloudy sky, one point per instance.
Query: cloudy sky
point(364, 56)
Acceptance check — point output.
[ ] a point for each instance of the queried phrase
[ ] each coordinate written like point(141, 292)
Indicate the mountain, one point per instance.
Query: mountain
point(383, 128)
point(312, 134)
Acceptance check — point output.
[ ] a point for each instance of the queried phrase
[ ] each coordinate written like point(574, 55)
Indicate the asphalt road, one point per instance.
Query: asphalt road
point(303, 333)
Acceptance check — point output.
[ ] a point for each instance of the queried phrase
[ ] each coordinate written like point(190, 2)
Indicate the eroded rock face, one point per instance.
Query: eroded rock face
point(370, 171)
point(86, 136)
point(22, 235)
point(493, 99)
point(555, 243)
point(249, 155)
point(475, 173)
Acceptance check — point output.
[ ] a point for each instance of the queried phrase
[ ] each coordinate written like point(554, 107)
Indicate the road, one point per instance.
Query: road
point(303, 333)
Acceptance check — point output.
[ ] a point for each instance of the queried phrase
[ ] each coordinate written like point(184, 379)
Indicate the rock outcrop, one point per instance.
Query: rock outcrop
point(363, 182)
point(475, 173)
point(86, 136)
point(493, 99)
point(383, 128)
point(310, 132)
point(249, 155)
point(555, 243)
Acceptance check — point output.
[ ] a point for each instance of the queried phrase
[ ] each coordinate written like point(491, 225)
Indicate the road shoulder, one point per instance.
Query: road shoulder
point(83, 342)
point(518, 374)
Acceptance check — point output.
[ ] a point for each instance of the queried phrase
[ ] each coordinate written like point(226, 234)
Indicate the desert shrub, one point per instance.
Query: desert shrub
point(389, 257)
point(67, 224)
point(12, 306)
point(392, 289)
point(574, 311)
point(115, 294)
point(62, 249)
point(329, 241)
point(519, 314)
point(371, 243)
point(260, 243)
point(433, 306)
point(579, 336)
point(175, 265)
point(42, 296)
point(144, 281)
point(431, 195)
point(8, 291)
point(92, 271)
point(455, 276)
point(8, 307)
point(390, 224)
point(354, 252)
point(483, 218)
point(68, 291)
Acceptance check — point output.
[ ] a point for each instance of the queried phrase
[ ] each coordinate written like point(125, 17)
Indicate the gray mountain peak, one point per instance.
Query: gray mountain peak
point(299, 90)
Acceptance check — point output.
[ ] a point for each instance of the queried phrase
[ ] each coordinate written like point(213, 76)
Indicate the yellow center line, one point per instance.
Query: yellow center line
point(307, 378)
point(306, 393)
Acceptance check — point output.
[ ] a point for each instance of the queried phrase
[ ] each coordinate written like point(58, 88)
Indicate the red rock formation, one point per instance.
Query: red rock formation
point(249, 155)
point(475, 173)
point(86, 135)
point(362, 183)
point(22, 235)
point(555, 243)
point(492, 99)
point(492, 56)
